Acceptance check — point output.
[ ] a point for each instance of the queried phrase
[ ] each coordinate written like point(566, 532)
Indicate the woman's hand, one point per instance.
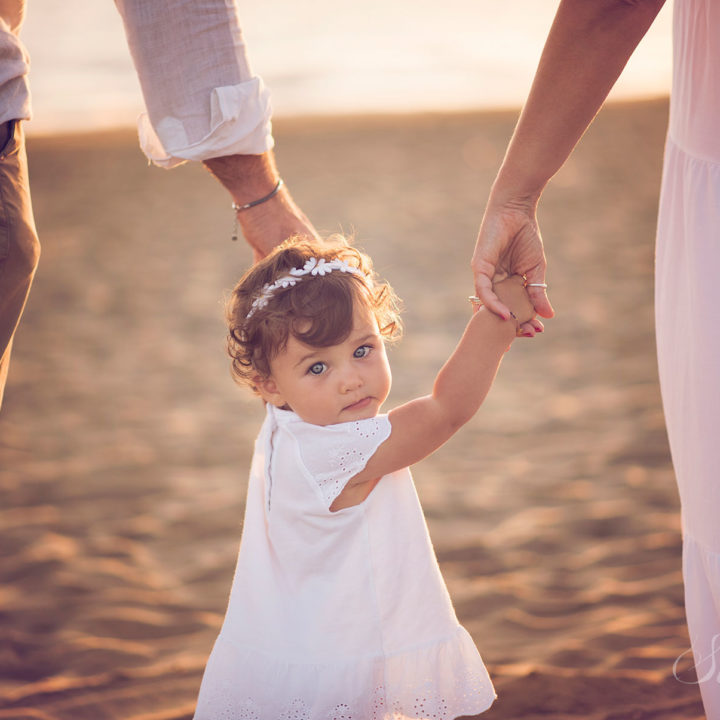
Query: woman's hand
point(509, 243)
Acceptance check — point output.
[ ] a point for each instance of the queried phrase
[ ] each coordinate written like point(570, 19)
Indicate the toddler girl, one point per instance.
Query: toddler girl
point(338, 610)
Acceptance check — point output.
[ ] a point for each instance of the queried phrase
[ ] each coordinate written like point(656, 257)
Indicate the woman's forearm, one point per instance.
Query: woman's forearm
point(587, 48)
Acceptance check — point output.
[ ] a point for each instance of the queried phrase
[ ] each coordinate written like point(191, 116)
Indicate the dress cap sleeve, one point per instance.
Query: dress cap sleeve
point(332, 454)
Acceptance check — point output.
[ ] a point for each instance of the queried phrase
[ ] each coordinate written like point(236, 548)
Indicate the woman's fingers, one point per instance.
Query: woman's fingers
point(484, 290)
point(537, 290)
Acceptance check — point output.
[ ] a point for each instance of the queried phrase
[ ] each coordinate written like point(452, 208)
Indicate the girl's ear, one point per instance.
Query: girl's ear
point(268, 390)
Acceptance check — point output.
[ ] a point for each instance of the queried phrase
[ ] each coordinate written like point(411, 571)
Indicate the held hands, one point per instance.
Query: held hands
point(512, 293)
point(509, 243)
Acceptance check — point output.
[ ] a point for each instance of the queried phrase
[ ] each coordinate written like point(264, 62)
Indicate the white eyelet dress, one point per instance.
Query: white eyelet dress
point(337, 616)
point(687, 299)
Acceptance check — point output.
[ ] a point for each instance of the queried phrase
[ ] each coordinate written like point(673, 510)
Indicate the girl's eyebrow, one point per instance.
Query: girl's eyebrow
point(313, 353)
point(307, 357)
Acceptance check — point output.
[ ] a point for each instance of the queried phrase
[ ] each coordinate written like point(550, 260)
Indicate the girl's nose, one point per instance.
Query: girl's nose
point(351, 380)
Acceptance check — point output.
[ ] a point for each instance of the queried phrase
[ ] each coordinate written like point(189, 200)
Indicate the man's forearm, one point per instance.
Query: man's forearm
point(249, 178)
point(246, 177)
point(587, 48)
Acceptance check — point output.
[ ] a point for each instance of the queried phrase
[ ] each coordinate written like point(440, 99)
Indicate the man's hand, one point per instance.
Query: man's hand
point(248, 178)
point(509, 243)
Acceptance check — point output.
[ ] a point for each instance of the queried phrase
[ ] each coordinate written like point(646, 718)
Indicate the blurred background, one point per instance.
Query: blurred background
point(125, 446)
point(322, 57)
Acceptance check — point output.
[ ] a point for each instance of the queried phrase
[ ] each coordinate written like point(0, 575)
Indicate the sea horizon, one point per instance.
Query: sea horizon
point(477, 56)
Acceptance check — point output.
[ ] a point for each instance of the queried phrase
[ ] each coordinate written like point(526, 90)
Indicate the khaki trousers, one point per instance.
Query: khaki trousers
point(19, 246)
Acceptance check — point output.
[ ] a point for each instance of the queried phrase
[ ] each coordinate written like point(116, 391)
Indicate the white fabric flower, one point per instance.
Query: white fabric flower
point(306, 268)
point(313, 266)
point(322, 268)
point(286, 282)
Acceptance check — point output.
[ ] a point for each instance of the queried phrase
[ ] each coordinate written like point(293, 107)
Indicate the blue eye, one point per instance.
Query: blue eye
point(362, 351)
point(317, 368)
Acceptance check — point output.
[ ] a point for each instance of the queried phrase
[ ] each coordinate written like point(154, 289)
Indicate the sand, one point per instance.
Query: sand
point(124, 445)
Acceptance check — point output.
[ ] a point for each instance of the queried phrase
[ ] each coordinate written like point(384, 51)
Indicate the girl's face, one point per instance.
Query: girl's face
point(335, 384)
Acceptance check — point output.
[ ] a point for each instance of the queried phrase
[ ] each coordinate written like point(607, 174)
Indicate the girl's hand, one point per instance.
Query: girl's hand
point(512, 293)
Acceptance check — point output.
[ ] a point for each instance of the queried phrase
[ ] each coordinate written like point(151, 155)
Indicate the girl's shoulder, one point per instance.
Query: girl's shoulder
point(332, 454)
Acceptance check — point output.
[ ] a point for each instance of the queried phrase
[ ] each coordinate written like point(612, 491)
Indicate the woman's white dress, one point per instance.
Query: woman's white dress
point(337, 616)
point(688, 320)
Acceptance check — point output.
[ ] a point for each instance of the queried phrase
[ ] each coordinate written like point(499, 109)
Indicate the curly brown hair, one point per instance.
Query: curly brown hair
point(318, 310)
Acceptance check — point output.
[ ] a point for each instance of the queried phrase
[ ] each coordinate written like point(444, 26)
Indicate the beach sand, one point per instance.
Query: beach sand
point(125, 446)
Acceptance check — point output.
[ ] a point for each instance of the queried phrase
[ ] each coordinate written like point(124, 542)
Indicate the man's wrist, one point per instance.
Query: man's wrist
point(246, 177)
point(237, 207)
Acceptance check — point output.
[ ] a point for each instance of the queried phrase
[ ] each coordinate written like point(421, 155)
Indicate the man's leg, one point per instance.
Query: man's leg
point(19, 246)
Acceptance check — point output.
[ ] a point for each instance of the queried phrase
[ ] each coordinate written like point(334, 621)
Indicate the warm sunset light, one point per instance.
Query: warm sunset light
point(333, 386)
point(326, 58)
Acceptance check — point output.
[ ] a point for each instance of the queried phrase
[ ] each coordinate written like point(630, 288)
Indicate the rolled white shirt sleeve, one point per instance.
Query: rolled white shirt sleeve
point(14, 65)
point(201, 97)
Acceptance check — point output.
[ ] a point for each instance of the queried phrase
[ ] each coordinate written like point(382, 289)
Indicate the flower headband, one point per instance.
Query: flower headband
point(312, 267)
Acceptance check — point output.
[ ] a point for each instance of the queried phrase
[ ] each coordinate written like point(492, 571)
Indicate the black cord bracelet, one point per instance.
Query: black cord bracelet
point(238, 208)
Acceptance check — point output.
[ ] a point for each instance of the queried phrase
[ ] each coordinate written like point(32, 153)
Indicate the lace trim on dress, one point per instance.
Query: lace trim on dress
point(425, 704)
point(335, 453)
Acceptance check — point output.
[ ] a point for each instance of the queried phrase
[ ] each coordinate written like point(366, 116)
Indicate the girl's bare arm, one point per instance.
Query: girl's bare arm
point(421, 426)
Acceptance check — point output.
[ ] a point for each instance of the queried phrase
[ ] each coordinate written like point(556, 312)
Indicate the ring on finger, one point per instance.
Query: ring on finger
point(527, 284)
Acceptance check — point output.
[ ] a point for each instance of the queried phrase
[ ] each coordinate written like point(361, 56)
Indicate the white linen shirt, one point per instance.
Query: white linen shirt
point(201, 97)
point(14, 64)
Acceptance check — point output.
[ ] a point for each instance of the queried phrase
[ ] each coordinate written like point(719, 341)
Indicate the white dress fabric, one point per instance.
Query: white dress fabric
point(688, 328)
point(337, 615)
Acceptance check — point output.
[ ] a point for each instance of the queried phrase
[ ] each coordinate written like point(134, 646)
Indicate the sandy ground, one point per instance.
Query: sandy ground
point(124, 445)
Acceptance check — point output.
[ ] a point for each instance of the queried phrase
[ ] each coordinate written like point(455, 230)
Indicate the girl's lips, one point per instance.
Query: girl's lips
point(359, 405)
